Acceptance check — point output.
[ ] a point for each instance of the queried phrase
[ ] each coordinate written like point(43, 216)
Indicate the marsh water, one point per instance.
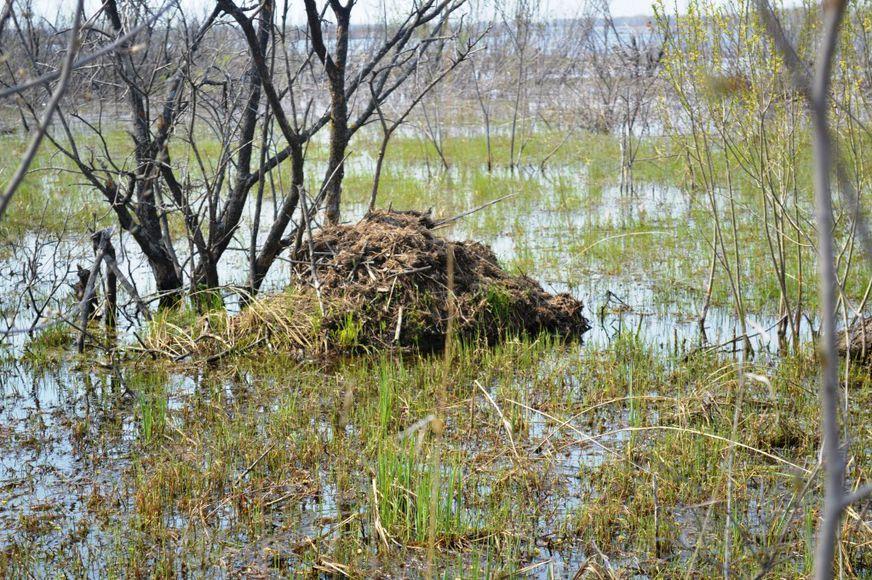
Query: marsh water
point(71, 427)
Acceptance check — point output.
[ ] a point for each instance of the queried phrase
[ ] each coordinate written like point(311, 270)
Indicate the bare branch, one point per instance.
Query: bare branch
point(36, 140)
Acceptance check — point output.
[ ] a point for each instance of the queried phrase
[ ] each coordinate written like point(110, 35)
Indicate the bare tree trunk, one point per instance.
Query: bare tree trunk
point(336, 161)
point(261, 183)
point(274, 241)
point(486, 117)
point(88, 302)
point(379, 162)
point(221, 232)
point(709, 287)
point(816, 91)
point(834, 464)
point(339, 134)
point(148, 231)
point(111, 312)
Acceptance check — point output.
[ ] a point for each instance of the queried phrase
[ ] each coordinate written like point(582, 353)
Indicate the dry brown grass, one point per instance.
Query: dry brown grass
point(287, 322)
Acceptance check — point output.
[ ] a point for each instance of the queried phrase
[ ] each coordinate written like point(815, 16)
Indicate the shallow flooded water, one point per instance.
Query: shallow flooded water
point(107, 464)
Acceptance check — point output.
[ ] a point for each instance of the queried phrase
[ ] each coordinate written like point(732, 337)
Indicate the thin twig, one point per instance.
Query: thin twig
point(506, 425)
point(254, 464)
point(445, 222)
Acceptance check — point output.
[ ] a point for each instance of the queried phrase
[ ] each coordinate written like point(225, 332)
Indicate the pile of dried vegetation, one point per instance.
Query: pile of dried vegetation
point(388, 276)
point(384, 283)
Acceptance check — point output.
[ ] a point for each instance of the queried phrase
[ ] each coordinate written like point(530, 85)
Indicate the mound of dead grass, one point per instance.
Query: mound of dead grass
point(385, 279)
point(388, 281)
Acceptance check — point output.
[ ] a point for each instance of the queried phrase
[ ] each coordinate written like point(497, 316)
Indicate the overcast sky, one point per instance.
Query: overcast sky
point(367, 10)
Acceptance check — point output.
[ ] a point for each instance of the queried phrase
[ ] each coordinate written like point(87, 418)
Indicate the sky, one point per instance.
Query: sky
point(367, 10)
